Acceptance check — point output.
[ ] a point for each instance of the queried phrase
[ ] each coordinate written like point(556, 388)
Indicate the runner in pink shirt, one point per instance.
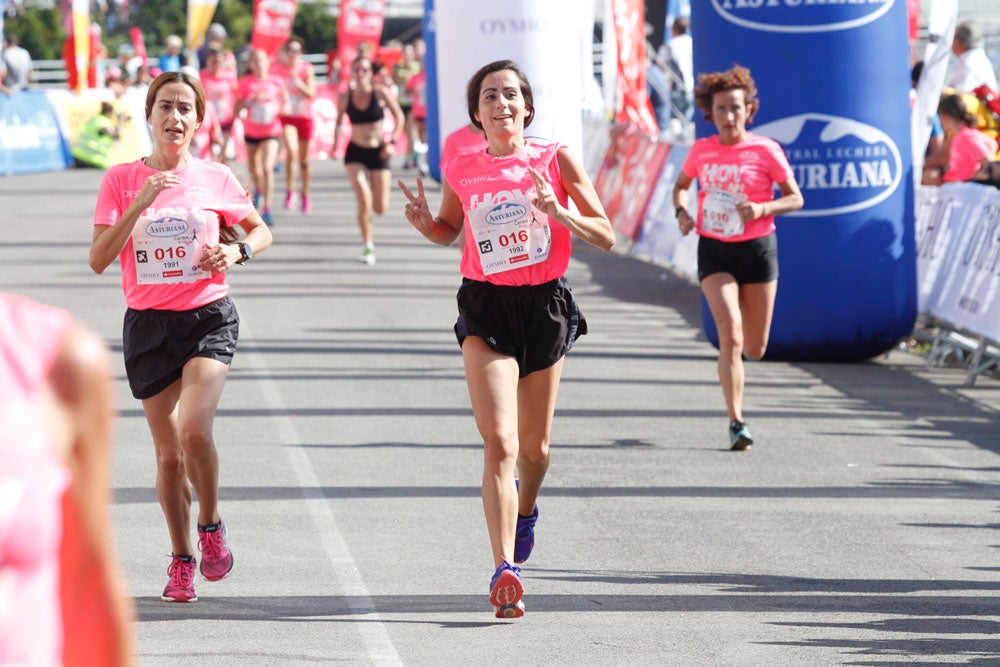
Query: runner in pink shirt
point(63, 597)
point(219, 82)
point(466, 139)
point(517, 315)
point(299, 78)
point(737, 249)
point(169, 219)
point(264, 97)
point(968, 148)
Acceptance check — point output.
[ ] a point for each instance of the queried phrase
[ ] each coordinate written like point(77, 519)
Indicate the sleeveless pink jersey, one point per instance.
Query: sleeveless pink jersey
point(184, 214)
point(479, 178)
point(745, 171)
point(221, 92)
point(299, 106)
point(264, 100)
point(462, 140)
point(33, 480)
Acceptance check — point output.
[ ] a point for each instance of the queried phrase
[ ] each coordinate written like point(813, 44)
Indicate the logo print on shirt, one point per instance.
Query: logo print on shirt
point(197, 192)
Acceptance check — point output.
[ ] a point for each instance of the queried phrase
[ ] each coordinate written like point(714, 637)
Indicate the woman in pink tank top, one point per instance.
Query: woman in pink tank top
point(63, 598)
point(517, 315)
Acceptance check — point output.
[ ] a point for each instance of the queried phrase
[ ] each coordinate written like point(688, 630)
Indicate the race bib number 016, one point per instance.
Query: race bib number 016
point(510, 234)
point(719, 214)
point(168, 248)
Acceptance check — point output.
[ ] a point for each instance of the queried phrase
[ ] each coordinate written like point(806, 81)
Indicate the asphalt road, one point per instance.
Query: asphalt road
point(860, 530)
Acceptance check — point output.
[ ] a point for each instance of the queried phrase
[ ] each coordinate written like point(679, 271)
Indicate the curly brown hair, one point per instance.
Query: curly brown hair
point(735, 78)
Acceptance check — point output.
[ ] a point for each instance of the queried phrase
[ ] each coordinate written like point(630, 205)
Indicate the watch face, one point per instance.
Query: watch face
point(246, 251)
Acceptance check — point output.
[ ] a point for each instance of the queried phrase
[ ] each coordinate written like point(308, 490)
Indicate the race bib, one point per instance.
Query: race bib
point(168, 248)
point(719, 214)
point(263, 113)
point(297, 105)
point(510, 234)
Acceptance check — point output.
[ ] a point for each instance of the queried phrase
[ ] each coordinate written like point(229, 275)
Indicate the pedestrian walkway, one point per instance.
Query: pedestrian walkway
point(861, 528)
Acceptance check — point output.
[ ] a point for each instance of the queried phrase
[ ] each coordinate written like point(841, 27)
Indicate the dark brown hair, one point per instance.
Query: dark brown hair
point(176, 77)
point(735, 78)
point(954, 106)
point(476, 83)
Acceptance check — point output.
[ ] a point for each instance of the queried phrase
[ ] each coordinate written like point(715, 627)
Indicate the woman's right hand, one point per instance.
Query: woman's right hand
point(156, 184)
point(685, 222)
point(417, 212)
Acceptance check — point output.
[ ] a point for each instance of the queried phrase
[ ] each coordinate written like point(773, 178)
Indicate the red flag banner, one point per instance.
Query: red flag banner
point(272, 24)
point(360, 21)
point(633, 100)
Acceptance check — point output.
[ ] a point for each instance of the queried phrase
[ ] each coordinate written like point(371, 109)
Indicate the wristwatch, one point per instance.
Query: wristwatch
point(246, 252)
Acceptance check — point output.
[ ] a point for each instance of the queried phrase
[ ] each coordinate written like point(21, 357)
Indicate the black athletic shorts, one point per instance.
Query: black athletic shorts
point(369, 157)
point(535, 324)
point(157, 343)
point(753, 261)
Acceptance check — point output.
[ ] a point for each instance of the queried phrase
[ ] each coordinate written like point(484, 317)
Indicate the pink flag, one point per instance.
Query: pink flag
point(360, 21)
point(272, 24)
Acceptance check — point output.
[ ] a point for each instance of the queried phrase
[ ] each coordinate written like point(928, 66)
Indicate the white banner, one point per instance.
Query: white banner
point(940, 31)
point(958, 256)
point(544, 38)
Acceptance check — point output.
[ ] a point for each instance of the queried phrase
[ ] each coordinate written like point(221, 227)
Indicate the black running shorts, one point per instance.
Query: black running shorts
point(535, 324)
point(753, 261)
point(157, 343)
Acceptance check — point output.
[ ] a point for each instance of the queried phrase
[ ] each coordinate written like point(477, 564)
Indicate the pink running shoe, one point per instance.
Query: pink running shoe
point(216, 559)
point(306, 205)
point(290, 199)
point(180, 585)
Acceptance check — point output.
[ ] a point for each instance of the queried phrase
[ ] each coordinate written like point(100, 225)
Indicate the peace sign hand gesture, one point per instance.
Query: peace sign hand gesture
point(417, 212)
point(545, 198)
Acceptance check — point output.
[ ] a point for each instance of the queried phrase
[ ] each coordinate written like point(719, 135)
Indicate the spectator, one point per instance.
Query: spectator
point(681, 66)
point(97, 138)
point(170, 61)
point(215, 38)
point(972, 67)
point(658, 89)
point(968, 148)
point(17, 62)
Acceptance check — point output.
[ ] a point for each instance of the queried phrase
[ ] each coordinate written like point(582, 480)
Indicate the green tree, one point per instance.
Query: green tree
point(39, 31)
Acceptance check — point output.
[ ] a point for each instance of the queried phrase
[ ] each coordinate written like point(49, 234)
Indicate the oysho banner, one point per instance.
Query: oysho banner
point(542, 37)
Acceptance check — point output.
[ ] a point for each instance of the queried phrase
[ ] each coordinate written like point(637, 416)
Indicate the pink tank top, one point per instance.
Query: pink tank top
point(32, 482)
point(495, 191)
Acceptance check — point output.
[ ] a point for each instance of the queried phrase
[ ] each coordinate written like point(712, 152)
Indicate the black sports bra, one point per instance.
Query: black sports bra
point(373, 114)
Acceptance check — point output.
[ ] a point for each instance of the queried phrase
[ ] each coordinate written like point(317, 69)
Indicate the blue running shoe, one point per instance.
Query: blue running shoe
point(256, 200)
point(739, 436)
point(266, 217)
point(524, 537)
point(505, 586)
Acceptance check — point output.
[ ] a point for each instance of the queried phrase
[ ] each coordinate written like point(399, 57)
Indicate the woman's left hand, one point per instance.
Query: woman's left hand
point(749, 210)
point(545, 198)
point(219, 258)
